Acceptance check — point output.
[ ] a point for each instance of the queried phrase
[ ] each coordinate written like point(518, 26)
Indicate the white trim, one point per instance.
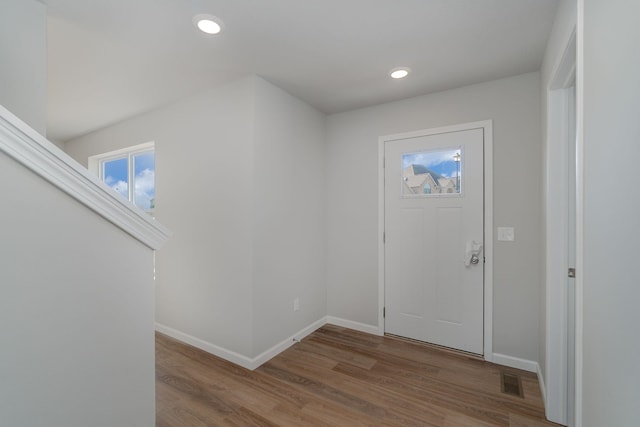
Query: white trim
point(579, 209)
point(237, 358)
point(488, 240)
point(221, 352)
point(286, 343)
point(381, 238)
point(487, 126)
point(254, 363)
point(557, 225)
point(94, 163)
point(556, 215)
point(516, 362)
point(32, 150)
point(543, 389)
point(350, 324)
point(124, 152)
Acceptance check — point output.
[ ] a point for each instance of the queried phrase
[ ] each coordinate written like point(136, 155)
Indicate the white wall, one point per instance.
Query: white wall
point(254, 242)
point(514, 106)
point(76, 312)
point(23, 60)
point(611, 376)
point(289, 200)
point(204, 179)
point(240, 182)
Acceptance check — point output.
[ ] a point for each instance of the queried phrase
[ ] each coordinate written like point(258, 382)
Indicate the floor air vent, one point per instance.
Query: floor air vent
point(511, 384)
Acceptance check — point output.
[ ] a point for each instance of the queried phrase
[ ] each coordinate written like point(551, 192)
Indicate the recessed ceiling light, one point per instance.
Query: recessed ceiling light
point(399, 73)
point(208, 23)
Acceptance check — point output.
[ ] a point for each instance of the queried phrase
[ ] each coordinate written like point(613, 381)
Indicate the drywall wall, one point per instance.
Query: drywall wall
point(76, 312)
point(240, 182)
point(259, 124)
point(289, 212)
point(352, 202)
point(611, 289)
point(204, 178)
point(23, 61)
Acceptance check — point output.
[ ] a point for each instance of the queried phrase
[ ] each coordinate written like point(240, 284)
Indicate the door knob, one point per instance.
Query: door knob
point(472, 253)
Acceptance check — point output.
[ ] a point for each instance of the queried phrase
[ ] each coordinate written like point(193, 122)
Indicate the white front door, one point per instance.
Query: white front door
point(434, 222)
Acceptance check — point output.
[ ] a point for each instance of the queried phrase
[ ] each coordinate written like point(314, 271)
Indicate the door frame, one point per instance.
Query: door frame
point(556, 195)
point(487, 127)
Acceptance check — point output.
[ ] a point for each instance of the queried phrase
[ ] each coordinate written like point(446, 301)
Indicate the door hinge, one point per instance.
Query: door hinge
point(384, 162)
point(384, 311)
point(572, 273)
point(384, 237)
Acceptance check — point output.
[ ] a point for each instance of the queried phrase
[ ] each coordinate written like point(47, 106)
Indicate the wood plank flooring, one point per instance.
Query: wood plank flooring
point(340, 377)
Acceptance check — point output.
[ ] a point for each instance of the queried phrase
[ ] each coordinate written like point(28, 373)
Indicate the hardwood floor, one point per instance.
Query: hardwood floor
point(340, 377)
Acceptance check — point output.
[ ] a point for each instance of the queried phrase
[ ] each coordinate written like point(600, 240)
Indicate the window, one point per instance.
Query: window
point(130, 172)
point(433, 172)
point(426, 188)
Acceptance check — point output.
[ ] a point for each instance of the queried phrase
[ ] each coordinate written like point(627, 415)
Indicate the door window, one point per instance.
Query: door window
point(432, 173)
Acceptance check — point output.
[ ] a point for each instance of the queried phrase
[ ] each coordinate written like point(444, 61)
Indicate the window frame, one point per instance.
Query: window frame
point(96, 165)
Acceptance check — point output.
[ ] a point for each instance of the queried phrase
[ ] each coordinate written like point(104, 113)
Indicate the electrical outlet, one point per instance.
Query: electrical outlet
point(296, 304)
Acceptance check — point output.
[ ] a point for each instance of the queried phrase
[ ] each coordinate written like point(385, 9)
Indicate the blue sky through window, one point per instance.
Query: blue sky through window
point(144, 182)
point(440, 162)
point(116, 176)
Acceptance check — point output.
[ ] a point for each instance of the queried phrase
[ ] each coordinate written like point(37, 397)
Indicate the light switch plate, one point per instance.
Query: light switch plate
point(506, 234)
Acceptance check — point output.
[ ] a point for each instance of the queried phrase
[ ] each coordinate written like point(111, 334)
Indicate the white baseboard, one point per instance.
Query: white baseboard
point(543, 389)
point(515, 362)
point(221, 352)
point(253, 363)
point(350, 324)
point(237, 358)
point(286, 343)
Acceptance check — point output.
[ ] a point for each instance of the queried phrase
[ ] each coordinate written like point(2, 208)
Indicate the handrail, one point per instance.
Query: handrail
point(26, 146)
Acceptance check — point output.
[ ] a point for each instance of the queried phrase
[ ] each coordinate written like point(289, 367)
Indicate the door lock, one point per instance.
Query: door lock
point(472, 253)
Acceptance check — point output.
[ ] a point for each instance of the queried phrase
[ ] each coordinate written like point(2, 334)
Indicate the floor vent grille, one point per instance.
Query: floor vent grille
point(511, 384)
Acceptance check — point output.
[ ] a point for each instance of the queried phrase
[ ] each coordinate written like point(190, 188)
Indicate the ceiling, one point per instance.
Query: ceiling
point(112, 59)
